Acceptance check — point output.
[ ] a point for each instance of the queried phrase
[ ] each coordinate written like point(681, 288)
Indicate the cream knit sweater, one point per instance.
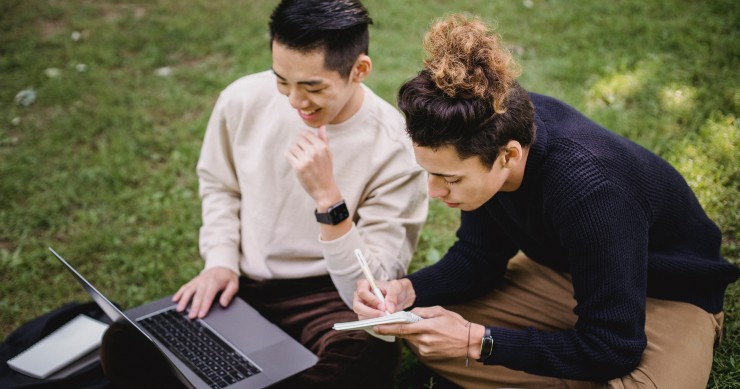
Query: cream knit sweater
point(258, 220)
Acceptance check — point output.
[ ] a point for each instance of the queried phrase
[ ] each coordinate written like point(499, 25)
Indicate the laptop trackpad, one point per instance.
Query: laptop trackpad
point(244, 327)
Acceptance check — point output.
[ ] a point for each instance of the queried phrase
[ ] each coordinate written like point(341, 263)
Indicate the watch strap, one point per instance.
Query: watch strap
point(322, 217)
point(486, 345)
point(336, 214)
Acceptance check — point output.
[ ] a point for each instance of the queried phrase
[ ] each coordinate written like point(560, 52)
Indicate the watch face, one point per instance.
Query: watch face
point(334, 215)
point(339, 213)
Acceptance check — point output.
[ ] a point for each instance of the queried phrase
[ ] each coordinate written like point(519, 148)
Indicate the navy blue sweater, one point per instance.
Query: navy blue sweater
point(618, 218)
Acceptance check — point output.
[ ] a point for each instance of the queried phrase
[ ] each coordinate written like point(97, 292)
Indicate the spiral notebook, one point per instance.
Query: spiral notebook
point(400, 317)
point(61, 348)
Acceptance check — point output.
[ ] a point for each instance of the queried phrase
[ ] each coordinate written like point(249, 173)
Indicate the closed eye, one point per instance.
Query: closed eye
point(452, 182)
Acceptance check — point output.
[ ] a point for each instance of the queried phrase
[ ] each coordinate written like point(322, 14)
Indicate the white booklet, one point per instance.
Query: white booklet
point(401, 317)
point(65, 345)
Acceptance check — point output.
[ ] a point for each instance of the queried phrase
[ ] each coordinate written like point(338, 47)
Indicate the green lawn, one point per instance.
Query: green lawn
point(101, 165)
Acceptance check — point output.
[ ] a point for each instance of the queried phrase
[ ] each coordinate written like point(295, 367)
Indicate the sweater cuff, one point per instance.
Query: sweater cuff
point(420, 283)
point(509, 347)
point(222, 256)
point(338, 248)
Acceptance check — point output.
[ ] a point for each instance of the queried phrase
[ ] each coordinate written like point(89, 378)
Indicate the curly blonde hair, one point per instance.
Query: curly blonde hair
point(466, 60)
point(467, 95)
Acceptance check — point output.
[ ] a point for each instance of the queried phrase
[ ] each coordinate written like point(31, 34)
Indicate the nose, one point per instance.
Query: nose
point(297, 99)
point(436, 187)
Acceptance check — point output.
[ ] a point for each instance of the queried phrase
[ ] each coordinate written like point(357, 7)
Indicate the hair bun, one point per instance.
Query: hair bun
point(466, 60)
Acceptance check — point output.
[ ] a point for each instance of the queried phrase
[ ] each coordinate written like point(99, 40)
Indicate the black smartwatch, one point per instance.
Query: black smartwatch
point(486, 346)
point(334, 215)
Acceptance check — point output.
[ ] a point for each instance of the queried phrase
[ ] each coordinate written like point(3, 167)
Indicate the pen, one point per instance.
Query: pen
point(366, 269)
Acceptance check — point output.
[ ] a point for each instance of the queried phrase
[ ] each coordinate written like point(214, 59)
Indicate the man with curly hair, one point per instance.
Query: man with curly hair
point(582, 259)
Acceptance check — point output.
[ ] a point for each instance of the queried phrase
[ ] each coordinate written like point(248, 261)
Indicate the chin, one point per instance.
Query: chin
point(313, 123)
point(469, 207)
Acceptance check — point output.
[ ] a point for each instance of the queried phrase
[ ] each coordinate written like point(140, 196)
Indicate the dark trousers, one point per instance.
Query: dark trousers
point(307, 309)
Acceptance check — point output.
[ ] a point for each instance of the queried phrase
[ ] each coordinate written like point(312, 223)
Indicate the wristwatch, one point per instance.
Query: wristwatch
point(486, 346)
point(334, 215)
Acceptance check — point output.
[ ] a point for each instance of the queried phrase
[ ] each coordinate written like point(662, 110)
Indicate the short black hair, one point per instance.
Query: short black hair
point(339, 28)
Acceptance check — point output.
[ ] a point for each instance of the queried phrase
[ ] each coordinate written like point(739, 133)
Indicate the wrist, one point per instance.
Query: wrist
point(334, 215)
point(327, 199)
point(408, 289)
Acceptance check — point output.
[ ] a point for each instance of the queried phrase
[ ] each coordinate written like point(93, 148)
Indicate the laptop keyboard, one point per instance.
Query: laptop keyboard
point(205, 353)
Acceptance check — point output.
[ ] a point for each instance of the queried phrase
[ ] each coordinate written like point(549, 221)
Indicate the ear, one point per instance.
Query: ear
point(512, 155)
point(362, 68)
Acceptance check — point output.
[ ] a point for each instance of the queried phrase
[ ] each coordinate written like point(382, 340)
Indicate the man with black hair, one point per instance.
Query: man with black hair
point(300, 166)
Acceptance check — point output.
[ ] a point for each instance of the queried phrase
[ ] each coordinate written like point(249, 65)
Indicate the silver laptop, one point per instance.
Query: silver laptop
point(250, 351)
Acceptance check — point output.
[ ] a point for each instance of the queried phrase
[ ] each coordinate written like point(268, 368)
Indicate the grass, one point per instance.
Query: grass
point(101, 165)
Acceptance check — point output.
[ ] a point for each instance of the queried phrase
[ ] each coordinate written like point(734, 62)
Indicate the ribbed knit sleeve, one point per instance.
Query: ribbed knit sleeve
point(605, 235)
point(475, 264)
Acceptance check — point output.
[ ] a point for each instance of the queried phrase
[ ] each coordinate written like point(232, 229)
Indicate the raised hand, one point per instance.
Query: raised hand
point(311, 160)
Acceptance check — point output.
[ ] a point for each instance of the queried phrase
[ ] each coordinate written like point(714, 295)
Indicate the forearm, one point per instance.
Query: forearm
point(607, 253)
point(473, 265)
point(220, 193)
point(219, 238)
point(388, 222)
point(344, 269)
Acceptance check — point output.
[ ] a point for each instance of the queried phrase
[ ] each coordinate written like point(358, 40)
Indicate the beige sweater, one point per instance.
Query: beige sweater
point(258, 220)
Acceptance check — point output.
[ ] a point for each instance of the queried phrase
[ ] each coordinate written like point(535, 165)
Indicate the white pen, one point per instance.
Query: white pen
point(369, 275)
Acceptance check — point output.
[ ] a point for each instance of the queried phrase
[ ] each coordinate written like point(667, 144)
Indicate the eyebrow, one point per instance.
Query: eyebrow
point(308, 82)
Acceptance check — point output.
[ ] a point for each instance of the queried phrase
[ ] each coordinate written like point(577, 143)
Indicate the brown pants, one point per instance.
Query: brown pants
point(679, 352)
point(307, 309)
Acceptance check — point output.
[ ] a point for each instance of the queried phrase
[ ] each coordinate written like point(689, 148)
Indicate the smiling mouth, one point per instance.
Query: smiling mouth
point(308, 113)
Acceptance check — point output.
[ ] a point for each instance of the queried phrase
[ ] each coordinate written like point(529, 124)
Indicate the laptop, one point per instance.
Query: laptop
point(251, 352)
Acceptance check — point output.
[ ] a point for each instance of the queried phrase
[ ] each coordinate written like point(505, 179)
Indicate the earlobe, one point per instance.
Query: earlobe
point(362, 68)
